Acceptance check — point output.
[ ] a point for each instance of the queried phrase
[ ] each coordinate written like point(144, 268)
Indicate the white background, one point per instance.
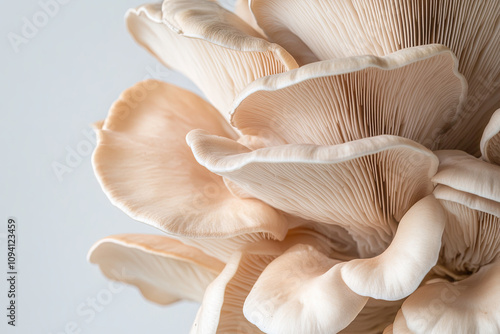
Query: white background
point(61, 79)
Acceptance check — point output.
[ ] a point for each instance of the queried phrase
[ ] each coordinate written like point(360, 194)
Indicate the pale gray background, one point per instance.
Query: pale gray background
point(63, 79)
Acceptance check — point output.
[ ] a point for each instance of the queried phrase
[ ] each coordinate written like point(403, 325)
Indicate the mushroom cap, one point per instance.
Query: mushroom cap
point(322, 29)
point(196, 36)
point(490, 142)
point(365, 186)
point(163, 269)
point(414, 93)
point(146, 169)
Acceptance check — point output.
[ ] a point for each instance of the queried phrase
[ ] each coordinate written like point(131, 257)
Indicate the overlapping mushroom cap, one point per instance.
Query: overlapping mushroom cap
point(323, 209)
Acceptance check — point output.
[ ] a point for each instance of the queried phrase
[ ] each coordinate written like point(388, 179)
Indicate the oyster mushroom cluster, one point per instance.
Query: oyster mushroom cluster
point(342, 175)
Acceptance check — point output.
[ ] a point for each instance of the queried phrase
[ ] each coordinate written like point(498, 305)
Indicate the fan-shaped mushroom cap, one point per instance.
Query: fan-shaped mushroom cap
point(146, 169)
point(302, 292)
point(165, 270)
point(213, 47)
point(366, 186)
point(466, 173)
point(468, 306)
point(413, 93)
point(337, 29)
point(472, 235)
point(490, 143)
